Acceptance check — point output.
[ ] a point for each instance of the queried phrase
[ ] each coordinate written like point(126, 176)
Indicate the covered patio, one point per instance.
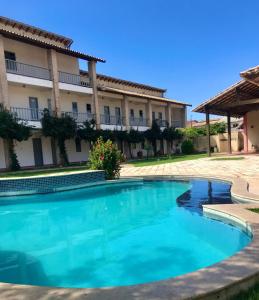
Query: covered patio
point(239, 100)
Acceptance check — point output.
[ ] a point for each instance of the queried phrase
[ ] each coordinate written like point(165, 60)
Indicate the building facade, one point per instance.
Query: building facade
point(38, 70)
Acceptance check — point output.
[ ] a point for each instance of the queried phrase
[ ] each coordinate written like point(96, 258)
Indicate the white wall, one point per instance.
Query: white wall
point(2, 157)
point(74, 156)
point(253, 130)
point(19, 96)
point(67, 98)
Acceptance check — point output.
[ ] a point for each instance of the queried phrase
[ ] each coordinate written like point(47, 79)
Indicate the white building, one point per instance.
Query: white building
point(38, 69)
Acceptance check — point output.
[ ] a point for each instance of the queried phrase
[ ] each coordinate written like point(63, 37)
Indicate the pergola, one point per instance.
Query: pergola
point(236, 101)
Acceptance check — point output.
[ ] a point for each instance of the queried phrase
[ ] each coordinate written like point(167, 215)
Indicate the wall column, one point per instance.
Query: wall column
point(245, 133)
point(168, 114)
point(93, 83)
point(125, 111)
point(53, 65)
point(208, 132)
point(3, 77)
point(229, 133)
point(149, 113)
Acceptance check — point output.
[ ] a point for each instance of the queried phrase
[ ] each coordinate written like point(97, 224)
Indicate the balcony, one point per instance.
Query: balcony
point(27, 114)
point(112, 120)
point(73, 79)
point(161, 123)
point(18, 68)
point(138, 122)
point(79, 117)
point(177, 124)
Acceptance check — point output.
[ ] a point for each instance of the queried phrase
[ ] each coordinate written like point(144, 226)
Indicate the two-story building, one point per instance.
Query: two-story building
point(38, 70)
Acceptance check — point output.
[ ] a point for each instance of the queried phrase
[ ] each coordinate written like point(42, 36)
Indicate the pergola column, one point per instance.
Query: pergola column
point(93, 82)
point(208, 132)
point(245, 133)
point(229, 133)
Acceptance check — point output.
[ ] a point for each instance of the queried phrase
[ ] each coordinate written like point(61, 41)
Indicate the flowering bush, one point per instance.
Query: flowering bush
point(105, 156)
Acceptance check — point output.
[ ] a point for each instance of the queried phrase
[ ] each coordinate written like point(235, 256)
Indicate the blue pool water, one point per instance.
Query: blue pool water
point(114, 235)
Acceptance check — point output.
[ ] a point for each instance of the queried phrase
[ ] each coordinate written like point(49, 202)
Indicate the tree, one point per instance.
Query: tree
point(153, 134)
point(171, 134)
point(11, 129)
point(120, 136)
point(88, 132)
point(134, 137)
point(60, 129)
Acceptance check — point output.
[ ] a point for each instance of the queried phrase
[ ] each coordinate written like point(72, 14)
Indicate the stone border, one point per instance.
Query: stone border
point(219, 281)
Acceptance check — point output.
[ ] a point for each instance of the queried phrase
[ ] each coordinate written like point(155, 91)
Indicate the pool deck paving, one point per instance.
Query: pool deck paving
point(219, 281)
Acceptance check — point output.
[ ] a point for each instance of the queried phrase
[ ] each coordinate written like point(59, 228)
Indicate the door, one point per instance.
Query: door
point(10, 61)
point(107, 114)
point(74, 110)
point(34, 108)
point(37, 150)
point(118, 115)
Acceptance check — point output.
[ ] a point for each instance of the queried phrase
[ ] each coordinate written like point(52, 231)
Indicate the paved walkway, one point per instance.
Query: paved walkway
point(247, 169)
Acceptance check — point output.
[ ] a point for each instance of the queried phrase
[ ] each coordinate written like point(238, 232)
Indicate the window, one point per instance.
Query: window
point(78, 145)
point(141, 114)
point(153, 116)
point(143, 145)
point(160, 116)
point(132, 113)
point(88, 108)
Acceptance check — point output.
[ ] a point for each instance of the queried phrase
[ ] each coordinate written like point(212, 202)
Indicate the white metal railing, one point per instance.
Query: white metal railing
point(79, 117)
point(73, 79)
point(112, 120)
point(18, 68)
point(177, 123)
point(138, 122)
point(27, 114)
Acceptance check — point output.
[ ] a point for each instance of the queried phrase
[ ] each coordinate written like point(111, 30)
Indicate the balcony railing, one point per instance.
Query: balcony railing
point(161, 123)
point(18, 68)
point(73, 79)
point(177, 124)
point(27, 114)
point(138, 122)
point(112, 120)
point(79, 117)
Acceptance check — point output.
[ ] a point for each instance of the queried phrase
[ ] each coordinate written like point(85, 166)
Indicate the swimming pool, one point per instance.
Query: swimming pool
point(115, 234)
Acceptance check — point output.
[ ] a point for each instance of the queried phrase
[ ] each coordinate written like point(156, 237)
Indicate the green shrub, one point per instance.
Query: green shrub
point(187, 147)
point(105, 156)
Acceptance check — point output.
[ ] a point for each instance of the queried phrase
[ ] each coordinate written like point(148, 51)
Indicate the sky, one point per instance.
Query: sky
point(193, 48)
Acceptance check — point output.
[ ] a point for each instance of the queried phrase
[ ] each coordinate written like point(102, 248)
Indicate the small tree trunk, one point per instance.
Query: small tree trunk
point(154, 147)
point(13, 163)
point(62, 153)
point(130, 151)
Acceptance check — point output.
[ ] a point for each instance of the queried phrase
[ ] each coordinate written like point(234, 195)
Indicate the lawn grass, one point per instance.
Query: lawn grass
point(256, 210)
point(228, 158)
point(165, 159)
point(29, 173)
point(251, 294)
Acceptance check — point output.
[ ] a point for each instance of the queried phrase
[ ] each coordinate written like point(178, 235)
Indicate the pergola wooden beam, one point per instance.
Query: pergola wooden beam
point(208, 131)
point(240, 103)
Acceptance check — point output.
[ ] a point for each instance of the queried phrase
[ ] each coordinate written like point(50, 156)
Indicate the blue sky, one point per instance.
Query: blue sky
point(194, 48)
